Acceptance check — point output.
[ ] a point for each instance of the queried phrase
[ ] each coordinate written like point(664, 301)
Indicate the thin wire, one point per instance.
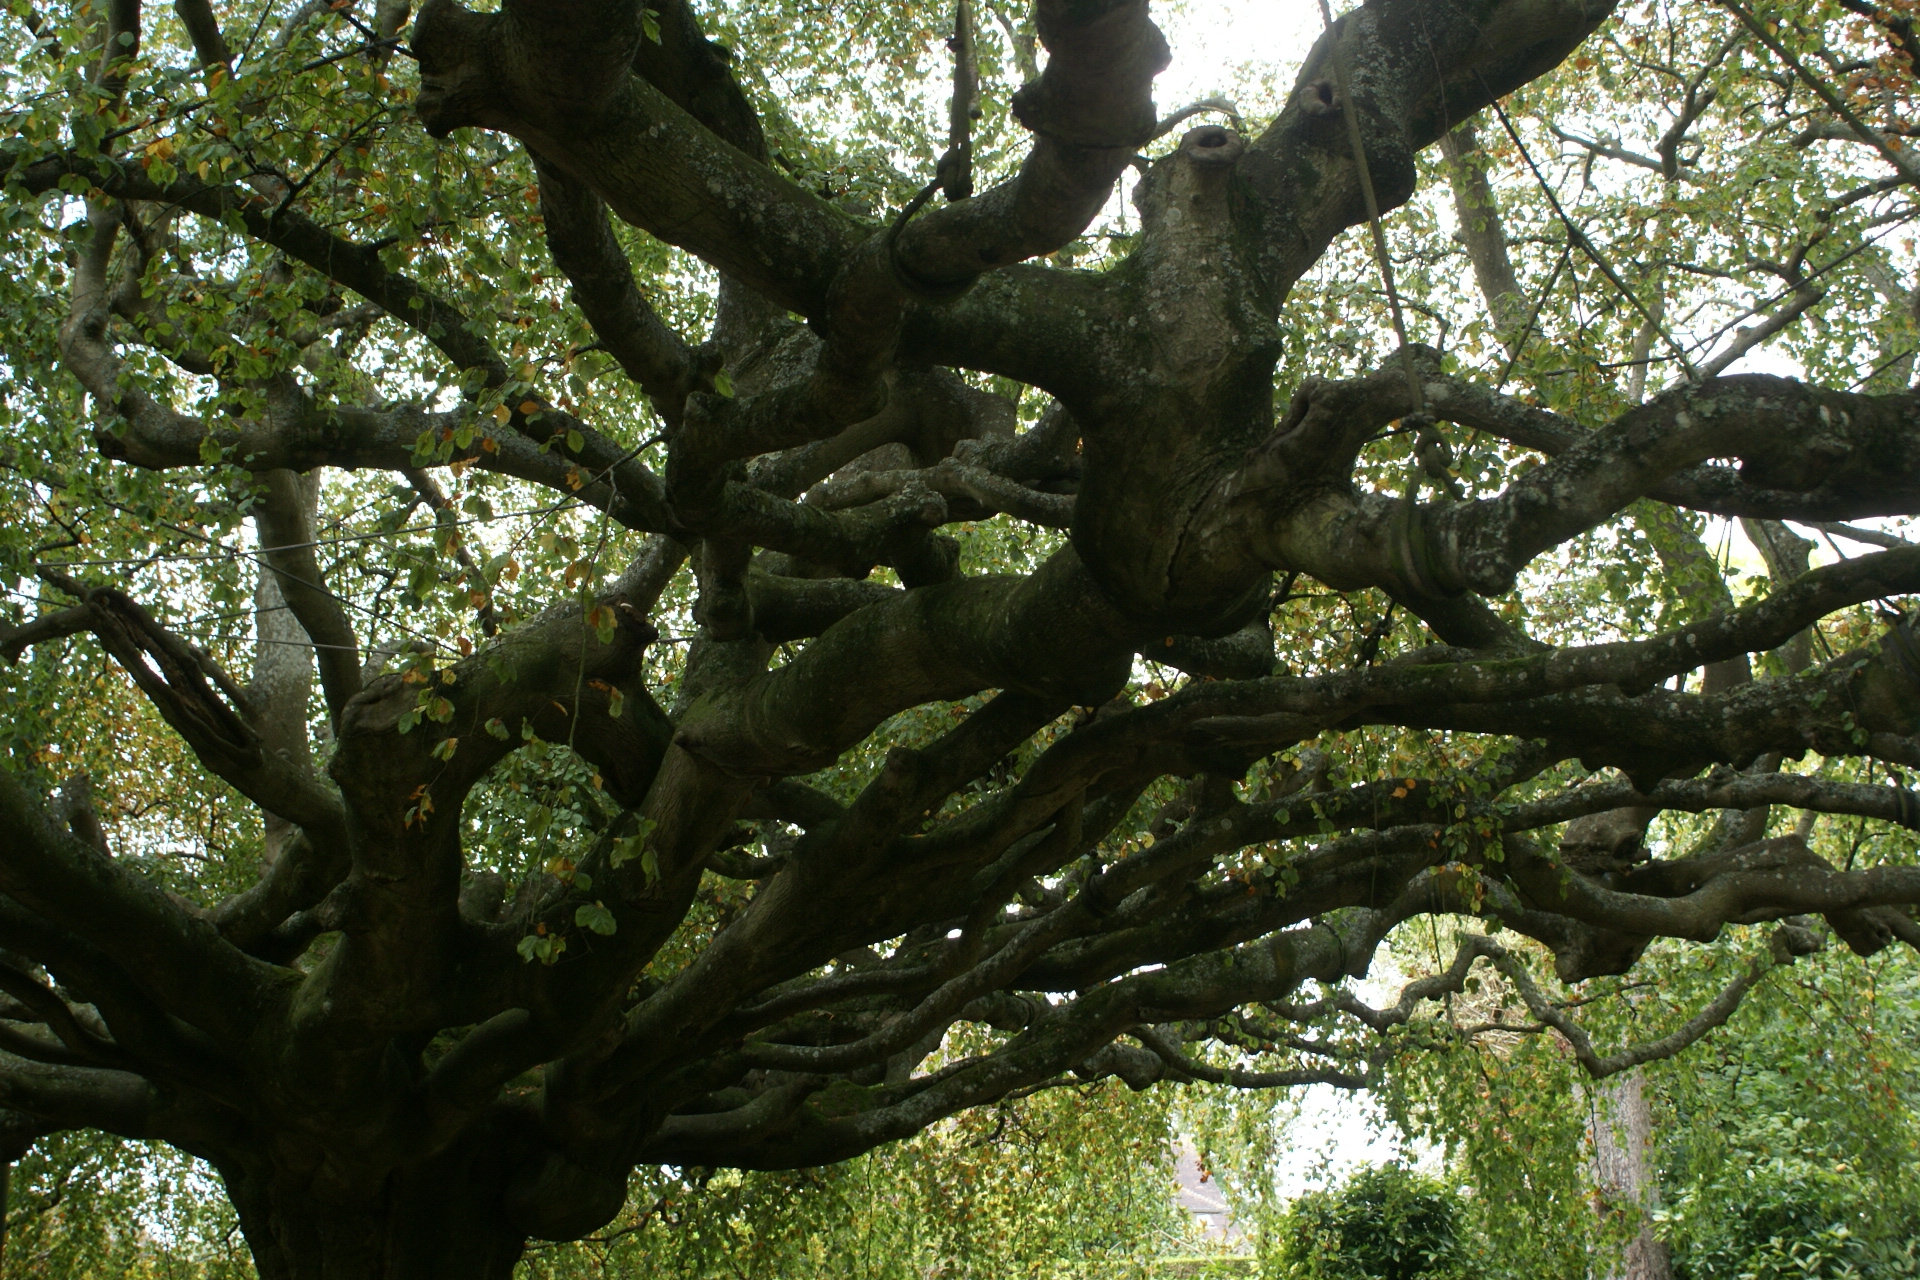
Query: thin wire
point(1579, 237)
point(1875, 372)
point(1533, 317)
point(317, 543)
point(1340, 83)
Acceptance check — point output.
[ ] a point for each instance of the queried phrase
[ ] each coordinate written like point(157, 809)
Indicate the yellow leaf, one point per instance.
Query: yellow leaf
point(501, 413)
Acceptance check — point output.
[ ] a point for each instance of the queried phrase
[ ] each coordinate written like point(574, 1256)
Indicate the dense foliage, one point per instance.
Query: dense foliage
point(663, 639)
point(1382, 1223)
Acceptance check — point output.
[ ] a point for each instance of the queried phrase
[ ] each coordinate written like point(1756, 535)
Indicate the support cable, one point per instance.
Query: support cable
point(1586, 245)
point(1420, 570)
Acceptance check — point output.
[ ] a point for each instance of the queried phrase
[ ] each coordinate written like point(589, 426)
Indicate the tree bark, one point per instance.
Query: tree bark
point(1622, 1140)
point(446, 1219)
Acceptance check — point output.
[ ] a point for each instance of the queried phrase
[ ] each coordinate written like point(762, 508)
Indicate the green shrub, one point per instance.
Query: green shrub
point(1384, 1223)
point(1785, 1220)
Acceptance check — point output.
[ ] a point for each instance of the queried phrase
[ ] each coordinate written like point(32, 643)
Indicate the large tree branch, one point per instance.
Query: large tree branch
point(1852, 454)
point(1090, 110)
point(283, 513)
point(1416, 71)
point(541, 73)
point(204, 706)
point(358, 267)
point(1050, 634)
point(180, 961)
point(585, 250)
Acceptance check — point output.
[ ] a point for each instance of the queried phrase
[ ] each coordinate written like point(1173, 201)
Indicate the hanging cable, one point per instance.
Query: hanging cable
point(1340, 86)
point(1420, 570)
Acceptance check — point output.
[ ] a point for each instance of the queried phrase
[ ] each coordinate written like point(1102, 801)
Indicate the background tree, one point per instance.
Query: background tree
point(677, 566)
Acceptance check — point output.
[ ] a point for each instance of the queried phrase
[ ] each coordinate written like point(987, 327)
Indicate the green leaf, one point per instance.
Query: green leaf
point(544, 947)
point(595, 916)
point(722, 384)
point(628, 848)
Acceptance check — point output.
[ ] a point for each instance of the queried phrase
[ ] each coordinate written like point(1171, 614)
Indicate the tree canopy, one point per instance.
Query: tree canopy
point(604, 585)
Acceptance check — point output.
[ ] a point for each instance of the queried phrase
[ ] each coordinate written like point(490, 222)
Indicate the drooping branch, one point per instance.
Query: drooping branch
point(1787, 942)
point(202, 704)
point(584, 249)
point(359, 267)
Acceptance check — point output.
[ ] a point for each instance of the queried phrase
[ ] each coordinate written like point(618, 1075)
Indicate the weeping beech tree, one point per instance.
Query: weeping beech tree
point(812, 760)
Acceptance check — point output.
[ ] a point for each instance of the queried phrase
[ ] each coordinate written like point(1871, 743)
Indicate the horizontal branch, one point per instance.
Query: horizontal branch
point(1784, 946)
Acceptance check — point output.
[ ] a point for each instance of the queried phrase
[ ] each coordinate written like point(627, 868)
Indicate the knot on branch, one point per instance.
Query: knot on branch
point(452, 44)
point(1319, 99)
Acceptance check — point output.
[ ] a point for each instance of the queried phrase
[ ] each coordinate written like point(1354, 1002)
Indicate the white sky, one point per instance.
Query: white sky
point(1221, 45)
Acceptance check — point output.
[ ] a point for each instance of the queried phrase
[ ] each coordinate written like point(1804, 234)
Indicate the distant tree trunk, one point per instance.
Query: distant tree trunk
point(1622, 1138)
point(1484, 236)
point(6, 1188)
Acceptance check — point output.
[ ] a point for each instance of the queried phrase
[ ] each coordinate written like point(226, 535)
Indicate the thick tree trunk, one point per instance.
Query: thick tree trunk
point(445, 1220)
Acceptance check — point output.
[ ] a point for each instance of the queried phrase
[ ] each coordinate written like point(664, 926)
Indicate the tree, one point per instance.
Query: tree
point(390, 371)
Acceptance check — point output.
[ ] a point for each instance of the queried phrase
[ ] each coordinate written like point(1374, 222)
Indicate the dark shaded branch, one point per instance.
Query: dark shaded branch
point(181, 683)
point(585, 250)
point(358, 267)
point(180, 961)
point(1182, 1067)
point(203, 29)
point(56, 625)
